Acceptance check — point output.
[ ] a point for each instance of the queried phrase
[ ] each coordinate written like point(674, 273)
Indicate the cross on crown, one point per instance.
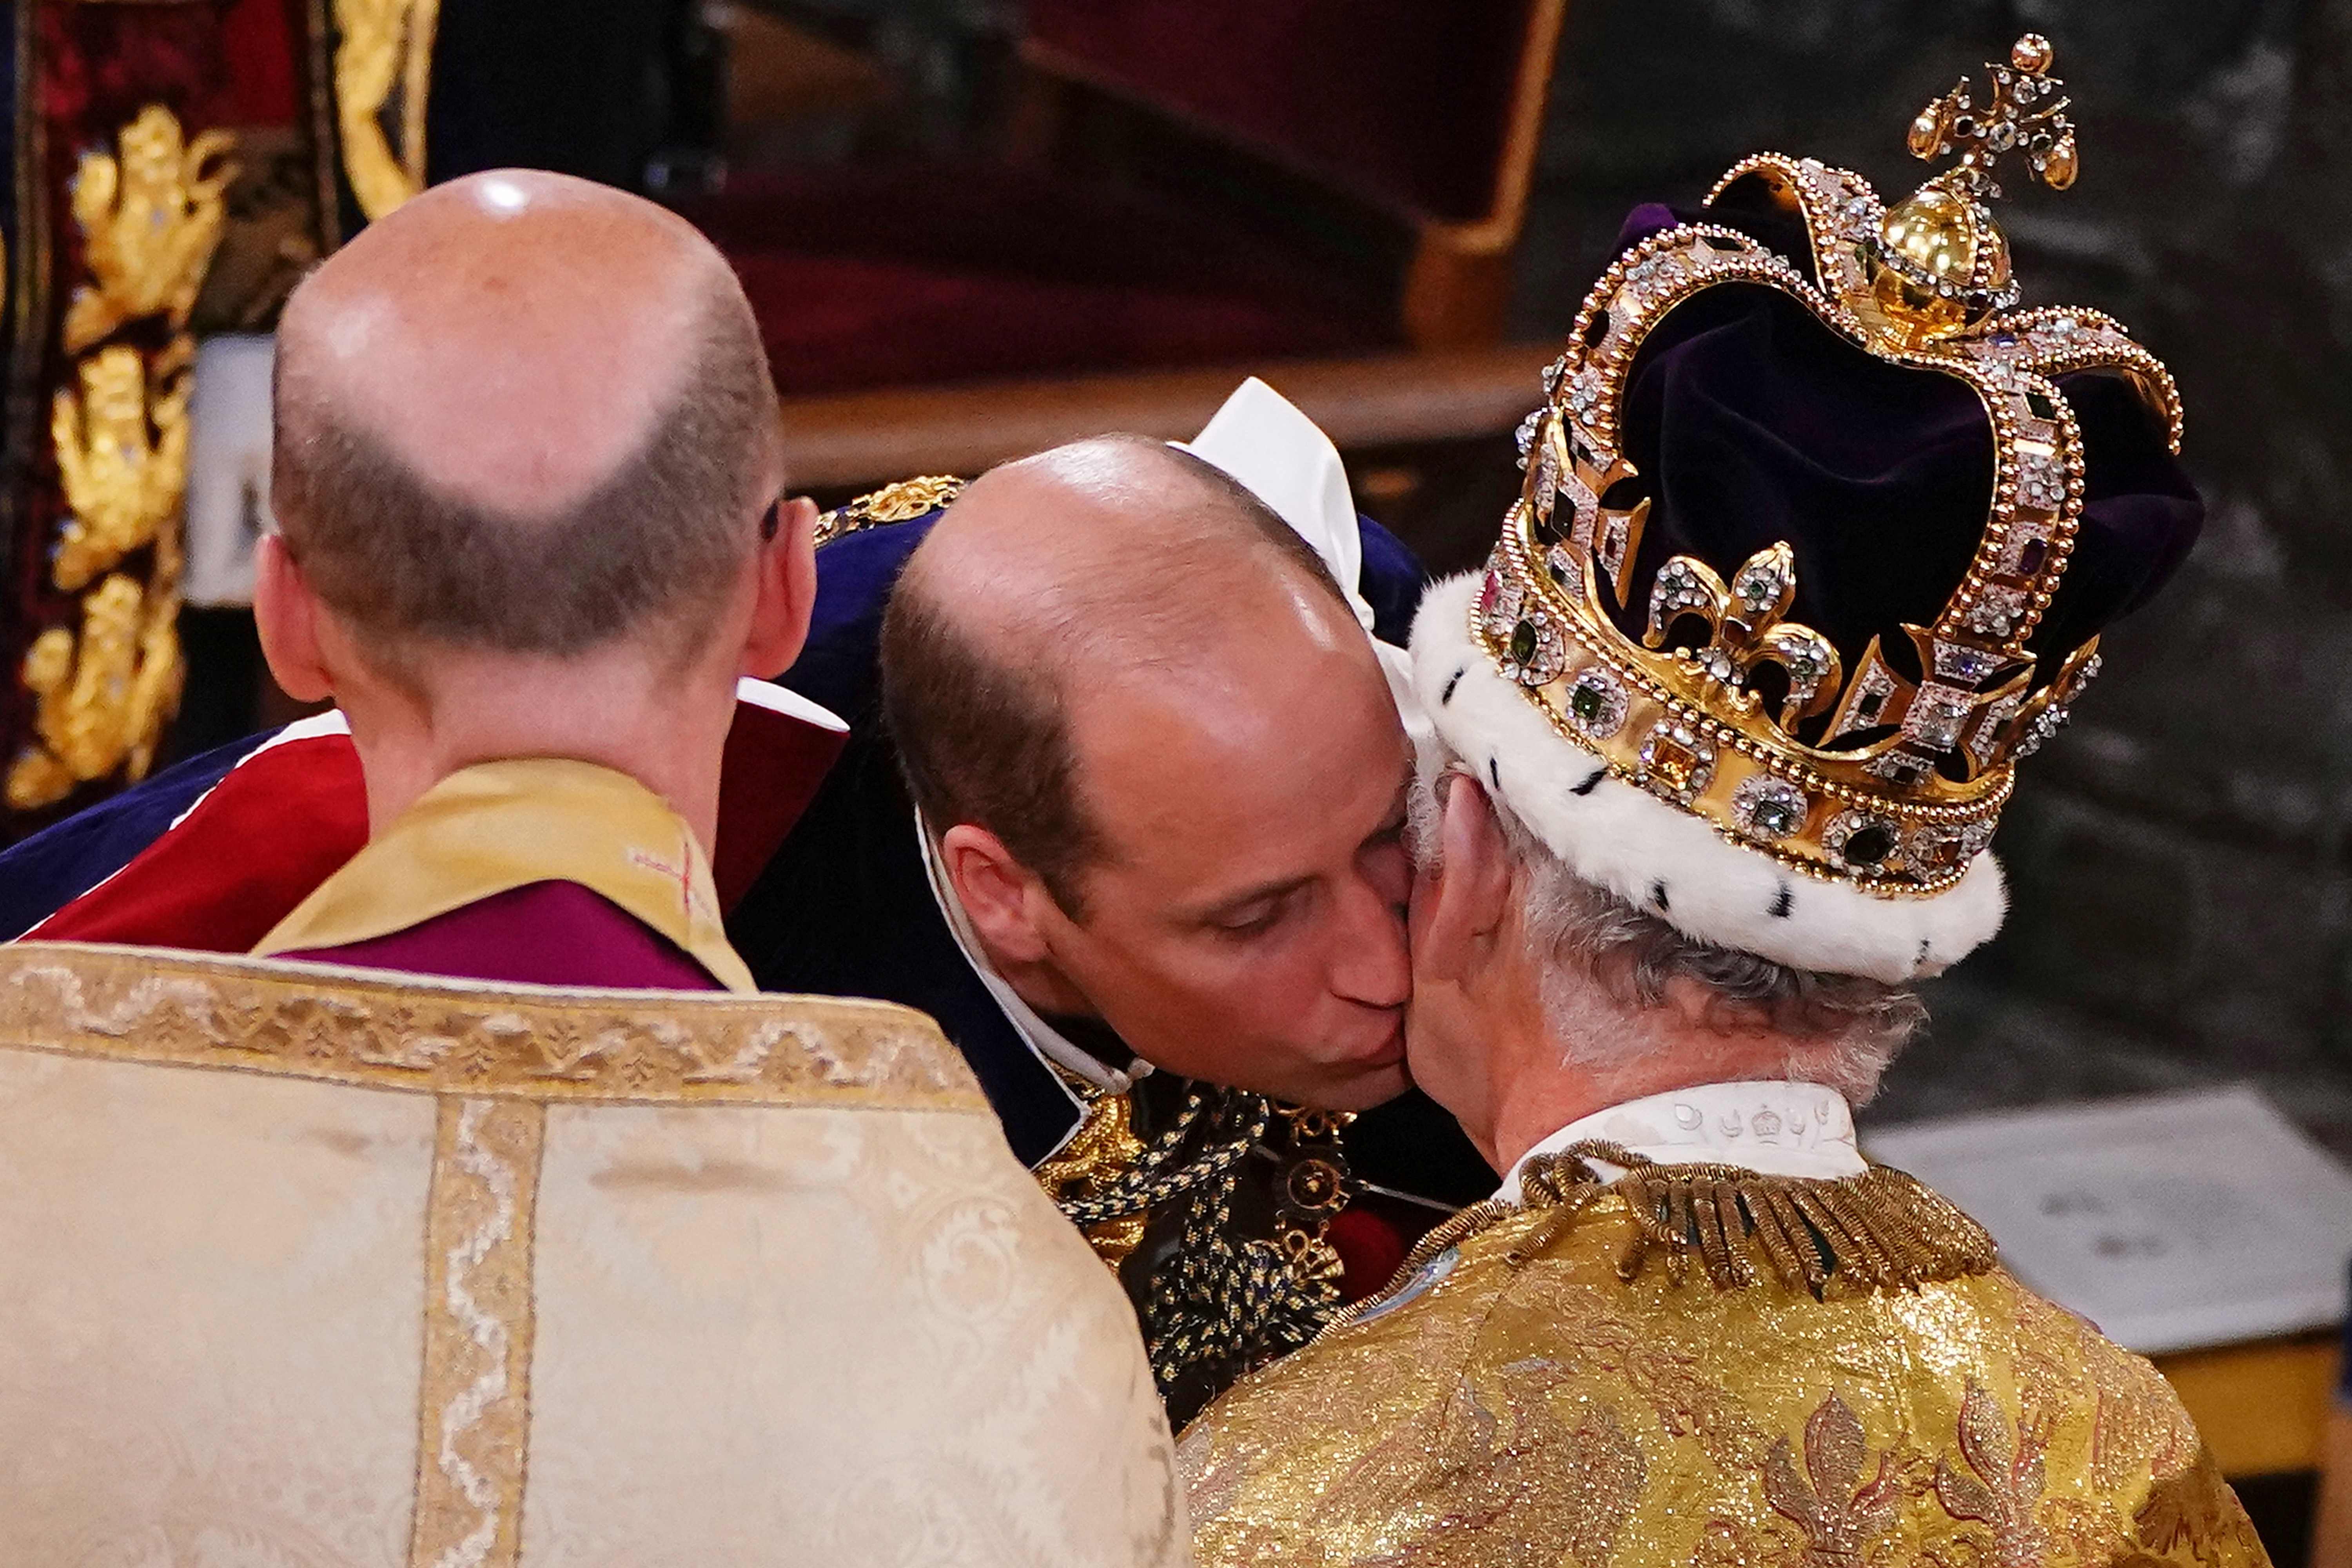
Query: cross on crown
point(2026, 115)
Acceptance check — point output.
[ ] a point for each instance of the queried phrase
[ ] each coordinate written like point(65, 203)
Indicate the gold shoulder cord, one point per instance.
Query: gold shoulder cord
point(1881, 1230)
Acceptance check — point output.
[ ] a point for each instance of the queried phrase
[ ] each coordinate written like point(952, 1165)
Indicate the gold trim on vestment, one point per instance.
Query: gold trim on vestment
point(370, 1029)
point(474, 1409)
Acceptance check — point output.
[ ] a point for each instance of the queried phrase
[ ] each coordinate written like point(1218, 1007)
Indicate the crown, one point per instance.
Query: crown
point(1888, 776)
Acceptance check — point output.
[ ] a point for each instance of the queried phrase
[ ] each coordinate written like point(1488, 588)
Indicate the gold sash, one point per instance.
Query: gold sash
point(495, 827)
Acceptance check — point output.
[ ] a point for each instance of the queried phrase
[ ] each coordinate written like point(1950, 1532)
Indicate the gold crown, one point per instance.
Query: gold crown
point(1901, 788)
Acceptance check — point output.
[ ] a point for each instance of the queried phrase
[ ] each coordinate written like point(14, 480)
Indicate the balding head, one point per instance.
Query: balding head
point(525, 413)
point(1163, 769)
point(1085, 576)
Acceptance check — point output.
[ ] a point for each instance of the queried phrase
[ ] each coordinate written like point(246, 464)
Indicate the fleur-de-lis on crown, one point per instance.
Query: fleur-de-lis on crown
point(1746, 629)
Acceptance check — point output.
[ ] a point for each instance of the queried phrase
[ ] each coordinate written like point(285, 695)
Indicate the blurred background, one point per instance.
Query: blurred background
point(973, 228)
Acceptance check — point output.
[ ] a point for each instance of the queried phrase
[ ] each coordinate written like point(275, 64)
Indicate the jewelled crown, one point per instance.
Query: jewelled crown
point(1885, 765)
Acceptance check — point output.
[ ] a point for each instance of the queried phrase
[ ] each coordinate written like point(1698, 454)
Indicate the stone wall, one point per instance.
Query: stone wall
point(2178, 858)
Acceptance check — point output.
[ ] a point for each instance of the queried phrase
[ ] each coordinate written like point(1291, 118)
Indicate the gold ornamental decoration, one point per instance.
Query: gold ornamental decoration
point(385, 47)
point(1897, 790)
point(1103, 1149)
point(901, 502)
point(150, 215)
point(122, 455)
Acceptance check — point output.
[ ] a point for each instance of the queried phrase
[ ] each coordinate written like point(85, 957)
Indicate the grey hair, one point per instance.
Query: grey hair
point(1607, 967)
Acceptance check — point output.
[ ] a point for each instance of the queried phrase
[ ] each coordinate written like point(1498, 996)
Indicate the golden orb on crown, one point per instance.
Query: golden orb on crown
point(1942, 263)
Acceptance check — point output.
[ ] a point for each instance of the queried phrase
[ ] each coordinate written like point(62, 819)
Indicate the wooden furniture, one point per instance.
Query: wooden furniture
point(859, 439)
point(2331, 1536)
point(1431, 115)
point(2263, 1407)
point(1331, 193)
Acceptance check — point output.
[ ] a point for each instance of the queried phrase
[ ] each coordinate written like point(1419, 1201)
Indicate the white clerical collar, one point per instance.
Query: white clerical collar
point(1775, 1127)
point(1046, 1041)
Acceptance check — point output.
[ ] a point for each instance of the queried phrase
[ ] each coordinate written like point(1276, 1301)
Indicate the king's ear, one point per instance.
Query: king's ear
point(1471, 889)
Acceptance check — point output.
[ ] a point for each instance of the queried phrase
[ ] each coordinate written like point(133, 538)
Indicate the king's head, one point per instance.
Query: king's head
point(1818, 536)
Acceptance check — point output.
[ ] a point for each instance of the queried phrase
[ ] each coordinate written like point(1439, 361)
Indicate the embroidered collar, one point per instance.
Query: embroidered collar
point(1775, 1127)
point(495, 826)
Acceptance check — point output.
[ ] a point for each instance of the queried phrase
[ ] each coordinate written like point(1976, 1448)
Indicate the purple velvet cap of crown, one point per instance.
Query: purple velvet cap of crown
point(1750, 422)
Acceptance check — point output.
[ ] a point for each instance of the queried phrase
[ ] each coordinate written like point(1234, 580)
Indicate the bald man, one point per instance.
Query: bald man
point(1158, 881)
point(528, 565)
point(856, 902)
point(402, 1261)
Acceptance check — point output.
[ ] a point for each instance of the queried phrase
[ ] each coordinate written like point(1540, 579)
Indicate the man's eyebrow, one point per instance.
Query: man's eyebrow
point(1259, 894)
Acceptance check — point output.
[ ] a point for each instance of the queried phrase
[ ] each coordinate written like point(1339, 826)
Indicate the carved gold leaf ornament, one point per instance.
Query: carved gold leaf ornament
point(901, 502)
point(150, 215)
point(122, 455)
point(385, 46)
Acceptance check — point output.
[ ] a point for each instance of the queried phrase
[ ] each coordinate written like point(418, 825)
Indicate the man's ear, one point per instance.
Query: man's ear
point(787, 593)
point(286, 613)
point(1471, 890)
point(1003, 898)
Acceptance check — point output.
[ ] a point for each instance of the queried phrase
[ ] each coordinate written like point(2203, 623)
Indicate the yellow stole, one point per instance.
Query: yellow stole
point(495, 827)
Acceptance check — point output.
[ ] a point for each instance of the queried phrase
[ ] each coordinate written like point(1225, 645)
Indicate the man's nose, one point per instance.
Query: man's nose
point(1370, 963)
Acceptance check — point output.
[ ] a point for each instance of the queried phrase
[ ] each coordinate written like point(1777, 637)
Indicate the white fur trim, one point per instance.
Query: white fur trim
point(1622, 837)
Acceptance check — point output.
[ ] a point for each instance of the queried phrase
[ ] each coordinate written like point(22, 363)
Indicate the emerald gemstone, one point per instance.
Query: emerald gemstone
point(1777, 818)
point(1868, 845)
point(1524, 641)
point(2041, 406)
point(1586, 702)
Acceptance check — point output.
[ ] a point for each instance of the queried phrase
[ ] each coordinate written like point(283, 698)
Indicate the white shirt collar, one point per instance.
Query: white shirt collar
point(1042, 1037)
point(1775, 1127)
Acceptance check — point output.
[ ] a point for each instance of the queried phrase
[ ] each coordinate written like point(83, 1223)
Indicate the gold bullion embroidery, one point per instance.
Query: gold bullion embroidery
point(1880, 1230)
point(901, 502)
point(1475, 1422)
point(1999, 1479)
point(151, 214)
point(474, 1409)
point(355, 1027)
point(1841, 1509)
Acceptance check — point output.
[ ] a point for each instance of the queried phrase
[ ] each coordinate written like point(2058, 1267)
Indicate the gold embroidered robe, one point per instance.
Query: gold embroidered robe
point(314, 1268)
point(1517, 1399)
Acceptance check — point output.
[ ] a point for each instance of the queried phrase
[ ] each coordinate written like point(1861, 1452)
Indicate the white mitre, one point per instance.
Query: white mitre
point(302, 1266)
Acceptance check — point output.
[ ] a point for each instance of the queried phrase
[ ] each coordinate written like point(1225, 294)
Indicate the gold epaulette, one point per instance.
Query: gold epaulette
point(1880, 1230)
point(902, 502)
